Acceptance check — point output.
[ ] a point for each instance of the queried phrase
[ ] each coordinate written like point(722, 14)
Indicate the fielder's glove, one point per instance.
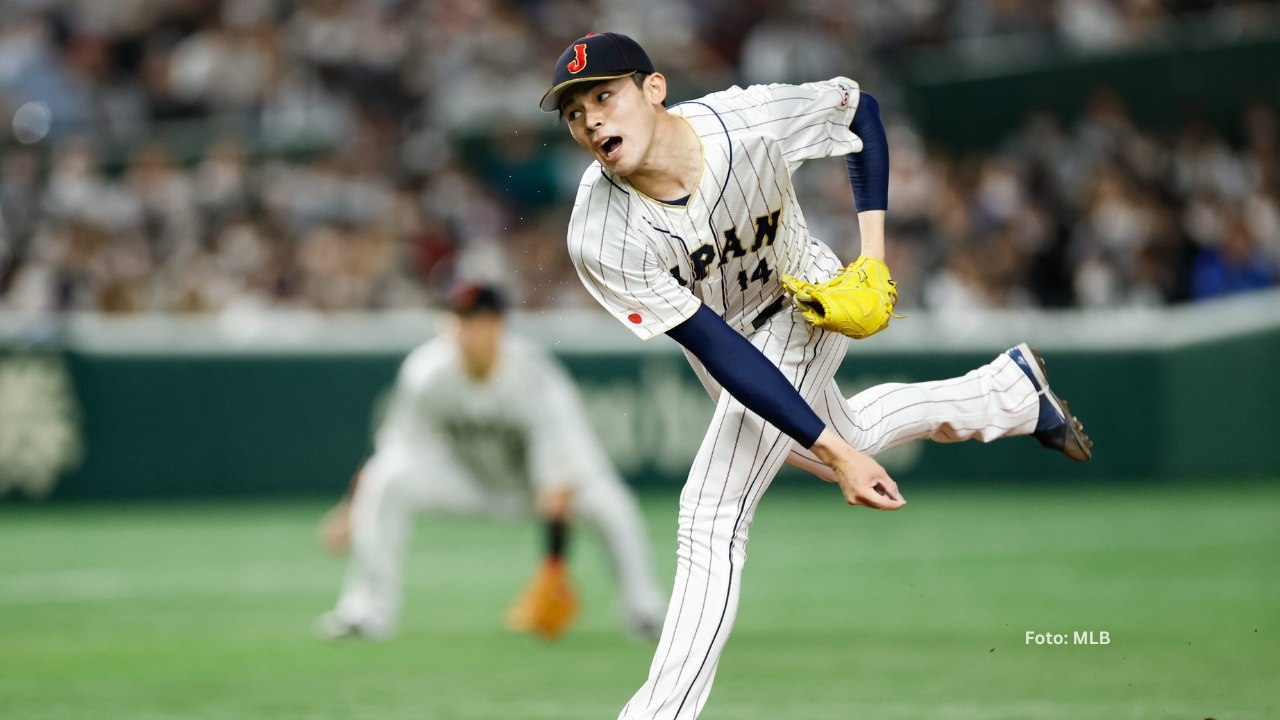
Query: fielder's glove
point(857, 302)
point(548, 605)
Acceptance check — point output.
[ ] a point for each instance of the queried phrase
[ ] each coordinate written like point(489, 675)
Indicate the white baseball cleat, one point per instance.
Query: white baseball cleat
point(334, 626)
point(645, 629)
point(1057, 428)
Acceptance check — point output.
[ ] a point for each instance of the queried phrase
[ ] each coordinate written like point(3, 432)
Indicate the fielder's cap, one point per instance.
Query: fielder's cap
point(472, 299)
point(597, 56)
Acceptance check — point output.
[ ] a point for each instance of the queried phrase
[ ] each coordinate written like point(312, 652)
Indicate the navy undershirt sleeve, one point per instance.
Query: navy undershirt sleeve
point(745, 373)
point(869, 169)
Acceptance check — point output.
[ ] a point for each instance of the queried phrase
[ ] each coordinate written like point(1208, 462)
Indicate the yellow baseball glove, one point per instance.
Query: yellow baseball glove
point(857, 302)
point(547, 606)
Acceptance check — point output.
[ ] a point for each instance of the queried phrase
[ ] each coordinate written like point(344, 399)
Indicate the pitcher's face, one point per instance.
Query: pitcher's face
point(614, 120)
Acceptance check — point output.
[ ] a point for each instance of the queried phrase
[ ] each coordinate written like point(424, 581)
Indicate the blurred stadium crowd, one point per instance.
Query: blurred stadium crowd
point(207, 155)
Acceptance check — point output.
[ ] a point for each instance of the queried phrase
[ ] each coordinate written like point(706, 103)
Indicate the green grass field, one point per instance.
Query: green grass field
point(205, 611)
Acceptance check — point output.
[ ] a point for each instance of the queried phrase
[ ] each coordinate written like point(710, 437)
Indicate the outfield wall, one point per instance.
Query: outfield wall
point(967, 95)
point(92, 407)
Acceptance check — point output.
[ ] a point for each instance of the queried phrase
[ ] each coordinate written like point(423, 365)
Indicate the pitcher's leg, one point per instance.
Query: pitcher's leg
point(738, 459)
point(990, 402)
point(716, 508)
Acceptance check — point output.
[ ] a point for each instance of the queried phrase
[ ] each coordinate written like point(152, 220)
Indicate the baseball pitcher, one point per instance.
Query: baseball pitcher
point(686, 225)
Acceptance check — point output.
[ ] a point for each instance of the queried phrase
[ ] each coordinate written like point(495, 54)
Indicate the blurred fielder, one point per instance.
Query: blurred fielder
point(484, 422)
point(687, 225)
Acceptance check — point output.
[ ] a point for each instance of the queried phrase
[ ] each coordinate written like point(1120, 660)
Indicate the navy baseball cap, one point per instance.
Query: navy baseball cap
point(473, 299)
point(597, 56)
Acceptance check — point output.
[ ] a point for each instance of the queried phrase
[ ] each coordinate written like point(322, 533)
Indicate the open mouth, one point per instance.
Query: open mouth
point(610, 146)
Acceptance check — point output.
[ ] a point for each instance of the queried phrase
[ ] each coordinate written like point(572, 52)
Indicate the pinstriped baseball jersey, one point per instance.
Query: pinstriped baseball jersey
point(652, 263)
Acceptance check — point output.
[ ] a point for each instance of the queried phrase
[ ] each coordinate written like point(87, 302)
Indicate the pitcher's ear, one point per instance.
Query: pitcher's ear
point(656, 87)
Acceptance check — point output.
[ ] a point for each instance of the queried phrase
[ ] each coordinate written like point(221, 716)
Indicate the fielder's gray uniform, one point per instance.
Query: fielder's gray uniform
point(455, 444)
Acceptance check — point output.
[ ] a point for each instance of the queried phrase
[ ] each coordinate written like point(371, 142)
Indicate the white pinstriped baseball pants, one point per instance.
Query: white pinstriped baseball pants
point(741, 454)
